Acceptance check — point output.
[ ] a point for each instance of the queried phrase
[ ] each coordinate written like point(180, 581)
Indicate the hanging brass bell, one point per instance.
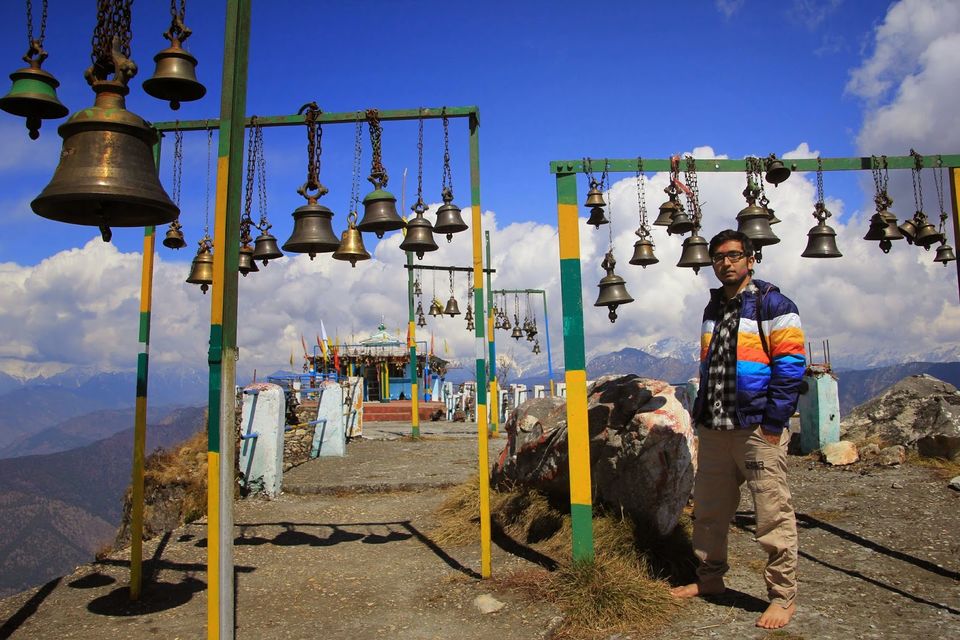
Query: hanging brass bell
point(517, 332)
point(668, 208)
point(754, 221)
point(597, 217)
point(419, 235)
point(505, 323)
point(201, 271)
point(421, 320)
point(944, 253)
point(436, 308)
point(380, 213)
point(643, 253)
point(449, 220)
point(351, 245)
point(452, 308)
point(695, 254)
point(773, 219)
point(174, 238)
point(33, 96)
point(594, 196)
point(265, 248)
point(680, 223)
point(536, 347)
point(613, 289)
point(312, 230)
point(106, 176)
point(175, 77)
point(927, 234)
point(821, 242)
point(776, 171)
point(908, 229)
point(471, 326)
point(245, 262)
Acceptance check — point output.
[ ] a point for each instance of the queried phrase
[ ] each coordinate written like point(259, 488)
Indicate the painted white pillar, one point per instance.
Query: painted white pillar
point(539, 391)
point(261, 433)
point(330, 434)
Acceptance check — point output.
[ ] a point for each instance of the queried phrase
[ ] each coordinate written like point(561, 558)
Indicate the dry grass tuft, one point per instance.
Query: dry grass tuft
point(623, 589)
point(945, 469)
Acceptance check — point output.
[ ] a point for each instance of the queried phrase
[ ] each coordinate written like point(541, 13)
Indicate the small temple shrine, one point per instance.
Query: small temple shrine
point(383, 361)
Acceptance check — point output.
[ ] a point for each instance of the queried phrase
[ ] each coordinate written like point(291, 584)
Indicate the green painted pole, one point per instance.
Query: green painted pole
point(223, 325)
point(494, 390)
point(480, 348)
point(412, 344)
point(578, 437)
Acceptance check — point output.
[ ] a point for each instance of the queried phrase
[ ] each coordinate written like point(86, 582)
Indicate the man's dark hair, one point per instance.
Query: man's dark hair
point(726, 236)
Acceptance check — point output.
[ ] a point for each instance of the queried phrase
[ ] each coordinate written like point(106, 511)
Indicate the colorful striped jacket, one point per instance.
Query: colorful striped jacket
point(768, 375)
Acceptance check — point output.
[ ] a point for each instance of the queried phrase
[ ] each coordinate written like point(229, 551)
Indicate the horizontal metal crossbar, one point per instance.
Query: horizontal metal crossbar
point(517, 291)
point(427, 267)
point(427, 113)
point(621, 165)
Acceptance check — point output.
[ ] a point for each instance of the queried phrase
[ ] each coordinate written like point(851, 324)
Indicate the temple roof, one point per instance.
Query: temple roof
point(381, 338)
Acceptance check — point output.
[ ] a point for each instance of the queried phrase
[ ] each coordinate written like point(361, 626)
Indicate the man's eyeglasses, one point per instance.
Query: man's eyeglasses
point(733, 256)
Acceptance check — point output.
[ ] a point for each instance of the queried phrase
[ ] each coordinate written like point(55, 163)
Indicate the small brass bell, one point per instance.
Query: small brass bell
point(175, 77)
point(312, 230)
point(436, 308)
point(597, 217)
point(927, 234)
point(106, 176)
point(471, 326)
point(380, 213)
point(594, 196)
point(452, 308)
point(245, 262)
point(821, 239)
point(695, 253)
point(517, 332)
point(505, 323)
point(536, 347)
point(944, 253)
point(417, 290)
point(201, 271)
point(174, 238)
point(265, 248)
point(351, 244)
point(613, 289)
point(449, 220)
point(643, 248)
point(421, 320)
point(908, 229)
point(680, 223)
point(668, 208)
point(773, 219)
point(776, 171)
point(33, 94)
point(419, 236)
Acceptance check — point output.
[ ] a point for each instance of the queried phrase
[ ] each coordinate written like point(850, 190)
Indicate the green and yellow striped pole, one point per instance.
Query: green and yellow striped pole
point(491, 339)
point(412, 345)
point(578, 436)
point(223, 325)
point(955, 204)
point(480, 346)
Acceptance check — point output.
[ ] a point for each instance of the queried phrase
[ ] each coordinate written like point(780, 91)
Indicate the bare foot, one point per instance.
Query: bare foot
point(776, 616)
point(697, 589)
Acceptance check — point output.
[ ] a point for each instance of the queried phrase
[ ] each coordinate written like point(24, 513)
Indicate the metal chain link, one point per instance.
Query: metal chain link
point(938, 185)
point(609, 189)
point(251, 173)
point(642, 198)
point(917, 180)
point(178, 31)
point(446, 185)
point(378, 174)
point(355, 183)
point(693, 197)
point(451, 281)
point(819, 180)
point(206, 208)
point(419, 202)
point(35, 47)
point(177, 163)
point(261, 167)
point(113, 22)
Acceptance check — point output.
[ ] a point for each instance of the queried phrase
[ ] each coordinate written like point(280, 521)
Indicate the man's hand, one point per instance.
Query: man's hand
point(770, 436)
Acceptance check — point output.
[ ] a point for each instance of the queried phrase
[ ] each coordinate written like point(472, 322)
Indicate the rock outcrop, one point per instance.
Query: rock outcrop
point(920, 412)
point(642, 449)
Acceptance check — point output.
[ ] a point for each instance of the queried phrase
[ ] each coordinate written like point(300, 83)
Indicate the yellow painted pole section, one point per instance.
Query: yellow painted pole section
point(955, 202)
point(579, 438)
point(213, 545)
point(219, 231)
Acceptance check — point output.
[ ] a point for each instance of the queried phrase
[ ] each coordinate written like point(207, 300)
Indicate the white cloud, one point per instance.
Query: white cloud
point(728, 7)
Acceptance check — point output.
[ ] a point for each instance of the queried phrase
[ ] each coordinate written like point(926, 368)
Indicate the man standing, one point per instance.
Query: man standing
point(751, 365)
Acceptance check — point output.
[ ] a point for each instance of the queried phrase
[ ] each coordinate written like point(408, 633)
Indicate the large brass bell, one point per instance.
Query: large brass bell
point(927, 234)
point(351, 245)
point(174, 238)
point(776, 171)
point(175, 77)
point(419, 236)
point(594, 196)
point(312, 230)
point(754, 221)
point(33, 95)
point(449, 220)
point(246, 263)
point(597, 217)
point(201, 271)
point(613, 289)
point(821, 241)
point(436, 308)
point(883, 229)
point(380, 213)
point(106, 176)
point(452, 308)
point(944, 253)
point(517, 332)
point(643, 253)
point(265, 248)
point(695, 253)
point(680, 223)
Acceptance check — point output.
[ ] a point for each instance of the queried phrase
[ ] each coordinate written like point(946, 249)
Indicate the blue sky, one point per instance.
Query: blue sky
point(555, 80)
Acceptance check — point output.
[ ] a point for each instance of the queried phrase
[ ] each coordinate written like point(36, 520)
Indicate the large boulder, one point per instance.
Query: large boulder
point(918, 410)
point(642, 449)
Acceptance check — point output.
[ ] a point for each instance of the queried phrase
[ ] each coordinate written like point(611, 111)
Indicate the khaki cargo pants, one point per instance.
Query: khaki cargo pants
point(727, 459)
